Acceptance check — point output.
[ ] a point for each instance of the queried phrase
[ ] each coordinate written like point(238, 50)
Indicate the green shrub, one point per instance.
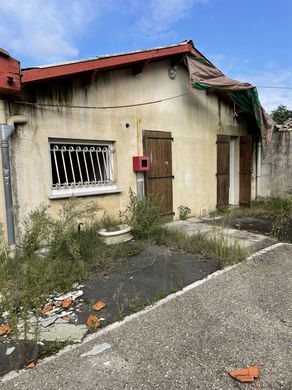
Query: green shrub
point(142, 215)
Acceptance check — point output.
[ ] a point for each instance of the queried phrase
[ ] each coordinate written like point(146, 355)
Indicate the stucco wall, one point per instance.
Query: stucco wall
point(276, 167)
point(194, 120)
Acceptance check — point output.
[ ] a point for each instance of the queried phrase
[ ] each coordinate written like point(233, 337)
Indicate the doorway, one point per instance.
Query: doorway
point(234, 170)
point(159, 179)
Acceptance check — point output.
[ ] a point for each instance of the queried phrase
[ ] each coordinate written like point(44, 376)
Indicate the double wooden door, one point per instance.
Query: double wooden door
point(223, 169)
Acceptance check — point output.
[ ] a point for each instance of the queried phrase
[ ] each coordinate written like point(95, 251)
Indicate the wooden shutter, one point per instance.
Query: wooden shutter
point(246, 160)
point(158, 181)
point(223, 162)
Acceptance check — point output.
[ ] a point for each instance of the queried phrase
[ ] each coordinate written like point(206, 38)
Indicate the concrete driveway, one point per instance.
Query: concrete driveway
point(236, 318)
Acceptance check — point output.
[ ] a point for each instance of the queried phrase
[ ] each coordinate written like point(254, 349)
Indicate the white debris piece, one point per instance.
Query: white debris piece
point(97, 349)
point(53, 311)
point(64, 332)
point(45, 322)
point(64, 313)
point(70, 295)
point(10, 350)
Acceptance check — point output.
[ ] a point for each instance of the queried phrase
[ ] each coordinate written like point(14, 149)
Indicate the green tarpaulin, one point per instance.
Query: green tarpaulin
point(205, 75)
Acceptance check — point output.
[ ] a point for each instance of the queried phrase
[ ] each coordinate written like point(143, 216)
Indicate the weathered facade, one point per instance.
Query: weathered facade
point(92, 124)
point(276, 166)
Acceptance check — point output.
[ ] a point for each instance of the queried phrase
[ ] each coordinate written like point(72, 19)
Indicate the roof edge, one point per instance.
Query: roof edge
point(71, 68)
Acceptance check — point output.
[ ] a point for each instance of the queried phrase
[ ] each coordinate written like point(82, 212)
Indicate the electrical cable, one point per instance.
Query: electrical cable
point(122, 105)
point(98, 107)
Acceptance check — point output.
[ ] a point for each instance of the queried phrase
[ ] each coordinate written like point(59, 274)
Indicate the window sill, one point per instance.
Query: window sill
point(62, 194)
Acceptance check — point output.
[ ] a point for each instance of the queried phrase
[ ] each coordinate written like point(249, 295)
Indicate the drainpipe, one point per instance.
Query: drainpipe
point(259, 159)
point(6, 131)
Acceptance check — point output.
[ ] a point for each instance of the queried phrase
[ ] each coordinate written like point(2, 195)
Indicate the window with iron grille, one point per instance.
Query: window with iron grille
point(81, 166)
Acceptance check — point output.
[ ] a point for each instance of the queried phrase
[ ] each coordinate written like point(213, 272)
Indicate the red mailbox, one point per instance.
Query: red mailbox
point(141, 163)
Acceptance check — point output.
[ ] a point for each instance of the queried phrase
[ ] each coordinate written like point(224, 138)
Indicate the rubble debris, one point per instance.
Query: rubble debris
point(248, 374)
point(99, 305)
point(30, 365)
point(5, 329)
point(93, 322)
point(63, 332)
point(66, 303)
point(47, 308)
point(70, 295)
point(97, 349)
point(10, 350)
point(45, 322)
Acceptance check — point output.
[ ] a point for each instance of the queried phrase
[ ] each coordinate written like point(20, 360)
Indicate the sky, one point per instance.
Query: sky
point(248, 40)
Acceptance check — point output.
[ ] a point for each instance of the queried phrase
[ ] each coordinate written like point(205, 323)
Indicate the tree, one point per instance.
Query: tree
point(281, 114)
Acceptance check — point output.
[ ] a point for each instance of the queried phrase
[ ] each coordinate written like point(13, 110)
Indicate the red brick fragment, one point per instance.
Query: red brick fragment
point(99, 305)
point(48, 308)
point(93, 322)
point(66, 303)
point(5, 329)
point(30, 365)
point(248, 374)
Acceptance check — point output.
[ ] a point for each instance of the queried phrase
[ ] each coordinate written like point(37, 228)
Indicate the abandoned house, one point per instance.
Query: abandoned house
point(164, 122)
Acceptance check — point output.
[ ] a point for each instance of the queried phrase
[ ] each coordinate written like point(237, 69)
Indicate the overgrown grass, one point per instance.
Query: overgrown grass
point(73, 251)
point(276, 210)
point(218, 248)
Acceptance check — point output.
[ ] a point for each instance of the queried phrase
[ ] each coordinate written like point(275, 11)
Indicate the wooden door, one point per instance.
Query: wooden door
point(245, 172)
point(223, 169)
point(158, 181)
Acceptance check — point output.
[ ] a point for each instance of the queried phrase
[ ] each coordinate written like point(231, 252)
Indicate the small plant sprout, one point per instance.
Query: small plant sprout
point(184, 212)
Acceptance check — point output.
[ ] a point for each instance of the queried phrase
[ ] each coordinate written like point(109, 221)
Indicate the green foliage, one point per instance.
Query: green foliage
point(281, 114)
point(109, 223)
point(142, 215)
point(217, 247)
point(278, 210)
point(73, 250)
point(184, 212)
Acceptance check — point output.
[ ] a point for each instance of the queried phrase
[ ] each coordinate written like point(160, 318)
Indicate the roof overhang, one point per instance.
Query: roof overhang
point(52, 72)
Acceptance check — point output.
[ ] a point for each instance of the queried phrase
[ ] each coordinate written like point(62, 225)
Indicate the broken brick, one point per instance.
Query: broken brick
point(93, 322)
point(248, 374)
point(48, 308)
point(66, 303)
point(30, 365)
point(99, 305)
point(66, 318)
point(5, 329)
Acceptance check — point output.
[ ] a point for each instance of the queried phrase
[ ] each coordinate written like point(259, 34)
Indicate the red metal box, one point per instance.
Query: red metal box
point(141, 163)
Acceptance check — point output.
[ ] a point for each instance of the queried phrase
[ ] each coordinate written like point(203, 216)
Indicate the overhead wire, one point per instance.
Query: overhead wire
point(98, 107)
point(36, 104)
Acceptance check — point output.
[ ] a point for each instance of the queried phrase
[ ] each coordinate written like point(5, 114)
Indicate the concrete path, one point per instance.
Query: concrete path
point(203, 225)
point(238, 317)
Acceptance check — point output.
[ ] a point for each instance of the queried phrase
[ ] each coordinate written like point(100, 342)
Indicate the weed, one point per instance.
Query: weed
point(184, 212)
point(109, 223)
point(217, 247)
point(276, 211)
point(142, 215)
